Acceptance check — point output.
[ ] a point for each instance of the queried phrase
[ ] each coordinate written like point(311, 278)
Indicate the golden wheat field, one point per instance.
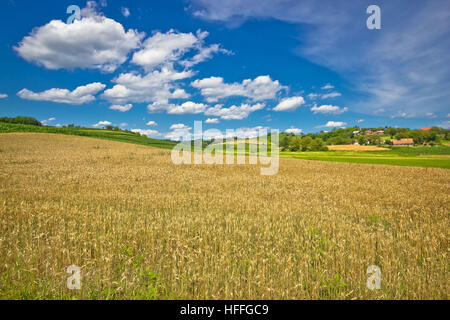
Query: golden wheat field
point(352, 147)
point(140, 227)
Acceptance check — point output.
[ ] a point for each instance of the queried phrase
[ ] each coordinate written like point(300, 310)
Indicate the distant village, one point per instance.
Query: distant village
point(397, 142)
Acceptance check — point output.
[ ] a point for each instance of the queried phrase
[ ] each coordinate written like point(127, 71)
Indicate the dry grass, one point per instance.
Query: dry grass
point(352, 147)
point(141, 227)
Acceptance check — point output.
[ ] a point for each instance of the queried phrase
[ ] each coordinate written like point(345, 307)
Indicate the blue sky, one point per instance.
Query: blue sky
point(157, 66)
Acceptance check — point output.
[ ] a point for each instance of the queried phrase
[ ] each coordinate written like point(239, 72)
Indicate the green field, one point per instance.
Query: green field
point(94, 133)
point(435, 157)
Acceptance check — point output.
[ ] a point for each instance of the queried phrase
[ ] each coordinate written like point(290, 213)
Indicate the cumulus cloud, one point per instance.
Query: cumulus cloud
point(289, 104)
point(80, 95)
point(212, 121)
point(180, 132)
point(258, 89)
point(360, 121)
point(151, 123)
point(328, 109)
point(47, 121)
point(3, 95)
point(159, 85)
point(188, 107)
point(94, 42)
point(121, 108)
point(240, 133)
point(164, 49)
point(234, 112)
point(258, 131)
point(333, 124)
point(179, 126)
point(293, 130)
point(102, 124)
point(147, 132)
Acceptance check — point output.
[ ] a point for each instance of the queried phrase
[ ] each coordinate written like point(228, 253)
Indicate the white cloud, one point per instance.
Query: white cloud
point(330, 95)
point(123, 124)
point(430, 115)
point(360, 121)
point(293, 130)
point(121, 108)
point(289, 104)
point(157, 86)
point(179, 126)
point(180, 132)
point(328, 109)
point(151, 123)
point(80, 95)
point(188, 107)
point(164, 49)
point(234, 112)
point(327, 87)
point(102, 124)
point(94, 42)
point(125, 12)
point(3, 95)
point(147, 132)
point(333, 124)
point(205, 53)
point(47, 121)
point(258, 89)
point(241, 133)
point(312, 96)
point(212, 121)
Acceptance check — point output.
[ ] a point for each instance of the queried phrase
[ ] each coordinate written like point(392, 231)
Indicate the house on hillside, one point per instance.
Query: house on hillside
point(425, 129)
point(403, 142)
point(368, 132)
point(380, 132)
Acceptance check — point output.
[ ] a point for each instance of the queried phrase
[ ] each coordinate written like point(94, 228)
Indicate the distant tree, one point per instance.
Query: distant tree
point(295, 144)
point(284, 144)
point(21, 120)
point(362, 140)
point(318, 145)
point(305, 143)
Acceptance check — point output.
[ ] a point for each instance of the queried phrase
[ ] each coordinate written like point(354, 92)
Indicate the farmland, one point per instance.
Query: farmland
point(434, 157)
point(429, 157)
point(140, 227)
